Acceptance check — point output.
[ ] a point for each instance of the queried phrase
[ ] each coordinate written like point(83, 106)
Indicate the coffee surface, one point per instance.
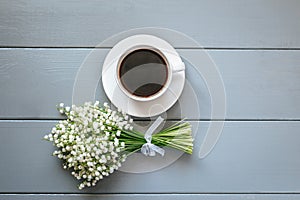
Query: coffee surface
point(143, 72)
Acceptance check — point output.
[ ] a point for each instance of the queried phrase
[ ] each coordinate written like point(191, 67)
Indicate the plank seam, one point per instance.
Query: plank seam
point(192, 120)
point(179, 48)
point(158, 193)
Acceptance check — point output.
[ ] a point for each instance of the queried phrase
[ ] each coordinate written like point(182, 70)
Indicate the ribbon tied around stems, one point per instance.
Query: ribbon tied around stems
point(149, 149)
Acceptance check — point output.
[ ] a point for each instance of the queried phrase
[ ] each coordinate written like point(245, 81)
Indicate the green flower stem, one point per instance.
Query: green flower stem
point(177, 136)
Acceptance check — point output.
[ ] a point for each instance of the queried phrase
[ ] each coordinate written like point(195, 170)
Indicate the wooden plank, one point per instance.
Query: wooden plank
point(258, 84)
point(250, 157)
point(234, 24)
point(150, 196)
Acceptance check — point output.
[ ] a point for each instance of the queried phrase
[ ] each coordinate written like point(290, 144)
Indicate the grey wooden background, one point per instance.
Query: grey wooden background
point(254, 43)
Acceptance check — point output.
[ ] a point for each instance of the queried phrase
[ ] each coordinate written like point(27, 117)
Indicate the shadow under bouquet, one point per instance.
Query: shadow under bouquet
point(94, 140)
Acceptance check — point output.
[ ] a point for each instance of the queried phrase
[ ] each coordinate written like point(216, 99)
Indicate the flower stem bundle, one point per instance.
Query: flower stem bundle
point(94, 140)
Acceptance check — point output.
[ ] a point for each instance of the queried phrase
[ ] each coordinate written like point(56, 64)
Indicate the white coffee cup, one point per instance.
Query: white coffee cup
point(145, 72)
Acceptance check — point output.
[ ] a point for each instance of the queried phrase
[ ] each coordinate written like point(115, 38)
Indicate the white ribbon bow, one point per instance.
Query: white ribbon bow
point(149, 149)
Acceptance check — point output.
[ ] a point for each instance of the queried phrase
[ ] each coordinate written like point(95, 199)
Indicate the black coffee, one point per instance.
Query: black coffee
point(143, 72)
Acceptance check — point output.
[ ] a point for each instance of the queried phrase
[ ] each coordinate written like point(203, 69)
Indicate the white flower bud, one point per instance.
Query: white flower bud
point(102, 128)
point(96, 103)
point(81, 186)
point(95, 125)
point(118, 133)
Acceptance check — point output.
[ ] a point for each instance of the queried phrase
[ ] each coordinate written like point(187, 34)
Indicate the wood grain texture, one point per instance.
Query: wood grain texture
point(234, 24)
point(250, 157)
point(149, 196)
point(252, 160)
point(258, 84)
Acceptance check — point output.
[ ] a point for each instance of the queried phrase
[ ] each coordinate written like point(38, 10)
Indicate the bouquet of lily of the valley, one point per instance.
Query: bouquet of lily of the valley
point(94, 140)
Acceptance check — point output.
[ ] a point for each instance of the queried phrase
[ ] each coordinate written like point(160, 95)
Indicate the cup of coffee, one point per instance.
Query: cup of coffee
point(144, 73)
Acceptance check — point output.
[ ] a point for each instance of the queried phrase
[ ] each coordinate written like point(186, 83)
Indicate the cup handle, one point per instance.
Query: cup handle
point(178, 67)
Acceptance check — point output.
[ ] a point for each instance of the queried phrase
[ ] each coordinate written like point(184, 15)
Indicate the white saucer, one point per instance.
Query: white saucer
point(119, 98)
